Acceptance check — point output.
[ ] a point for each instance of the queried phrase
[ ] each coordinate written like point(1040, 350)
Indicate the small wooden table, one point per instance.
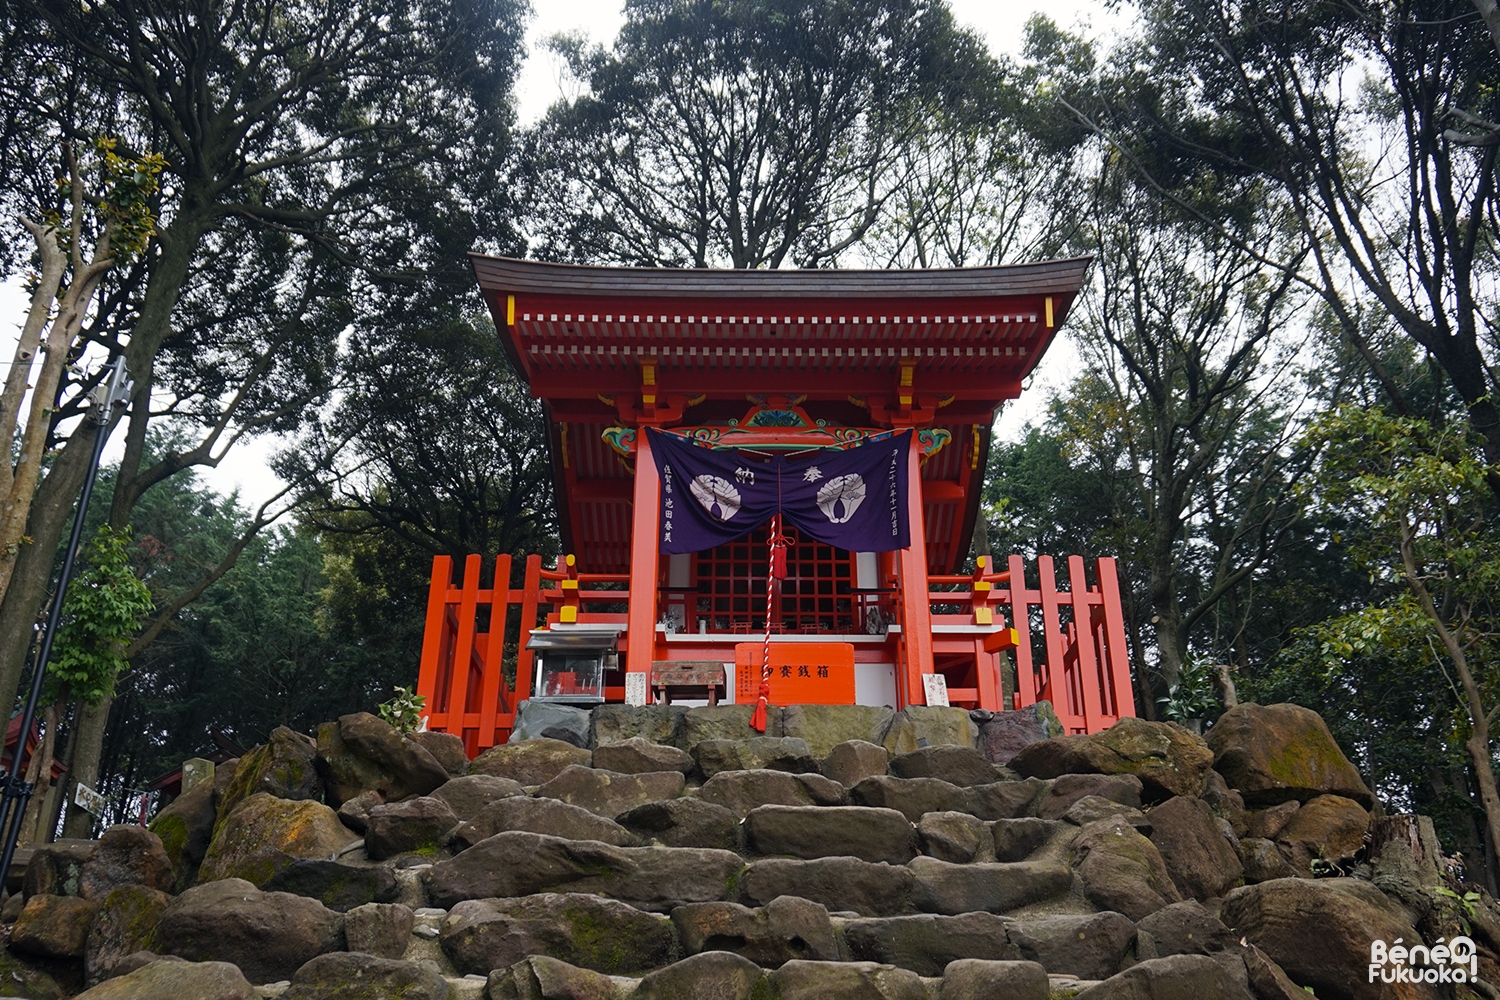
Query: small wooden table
point(689, 679)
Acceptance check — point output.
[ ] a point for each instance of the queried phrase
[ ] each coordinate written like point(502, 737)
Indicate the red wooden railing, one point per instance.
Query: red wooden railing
point(1084, 672)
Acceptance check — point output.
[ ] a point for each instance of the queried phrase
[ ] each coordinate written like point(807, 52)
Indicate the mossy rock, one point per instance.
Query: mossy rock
point(253, 838)
point(1275, 753)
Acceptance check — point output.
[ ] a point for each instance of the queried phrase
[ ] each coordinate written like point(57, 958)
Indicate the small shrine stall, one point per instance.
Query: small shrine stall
point(768, 483)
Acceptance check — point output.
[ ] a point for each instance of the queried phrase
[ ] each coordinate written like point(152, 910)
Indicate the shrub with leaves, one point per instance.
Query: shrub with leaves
point(404, 711)
point(102, 613)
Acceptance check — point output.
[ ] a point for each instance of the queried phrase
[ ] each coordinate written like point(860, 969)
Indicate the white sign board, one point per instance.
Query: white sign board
point(635, 688)
point(88, 800)
point(937, 689)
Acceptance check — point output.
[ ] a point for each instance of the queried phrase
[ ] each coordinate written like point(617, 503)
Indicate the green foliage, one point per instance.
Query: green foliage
point(404, 711)
point(1468, 903)
point(1192, 697)
point(104, 608)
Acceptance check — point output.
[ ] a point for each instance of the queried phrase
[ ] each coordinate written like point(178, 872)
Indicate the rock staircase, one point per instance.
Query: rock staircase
point(673, 853)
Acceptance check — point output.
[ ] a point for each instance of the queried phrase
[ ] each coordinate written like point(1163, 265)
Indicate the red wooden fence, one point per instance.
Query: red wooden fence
point(1083, 668)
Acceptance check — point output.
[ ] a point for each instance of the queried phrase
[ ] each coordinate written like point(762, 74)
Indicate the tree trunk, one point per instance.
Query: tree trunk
point(39, 773)
point(1227, 693)
point(51, 508)
point(91, 724)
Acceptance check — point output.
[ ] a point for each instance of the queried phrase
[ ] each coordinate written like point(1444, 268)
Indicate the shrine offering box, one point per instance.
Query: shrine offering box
point(802, 673)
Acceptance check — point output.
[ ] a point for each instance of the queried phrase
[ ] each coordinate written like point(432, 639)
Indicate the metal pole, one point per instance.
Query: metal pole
point(15, 792)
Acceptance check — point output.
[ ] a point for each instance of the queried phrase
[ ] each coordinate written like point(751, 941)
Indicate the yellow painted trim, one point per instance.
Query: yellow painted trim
point(981, 585)
point(570, 584)
point(568, 615)
point(1049, 312)
point(510, 310)
point(571, 560)
point(984, 616)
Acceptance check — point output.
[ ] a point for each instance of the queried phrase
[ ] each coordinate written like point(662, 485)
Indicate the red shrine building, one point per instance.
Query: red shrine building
point(754, 365)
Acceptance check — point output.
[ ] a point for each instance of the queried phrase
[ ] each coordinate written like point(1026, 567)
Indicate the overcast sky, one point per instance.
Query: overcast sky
point(540, 83)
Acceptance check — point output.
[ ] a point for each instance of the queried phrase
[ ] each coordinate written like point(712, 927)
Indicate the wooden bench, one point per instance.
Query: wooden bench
point(688, 679)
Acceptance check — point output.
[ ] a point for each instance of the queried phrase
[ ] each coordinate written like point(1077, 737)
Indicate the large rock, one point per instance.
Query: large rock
point(685, 822)
point(127, 855)
point(826, 726)
point(1005, 734)
point(640, 756)
point(469, 794)
point(543, 978)
point(742, 791)
point(1272, 753)
point(57, 869)
point(926, 943)
point(933, 724)
point(345, 975)
point(1227, 804)
point(994, 888)
point(124, 924)
point(285, 767)
point(1329, 827)
point(362, 752)
point(530, 762)
point(1018, 839)
point(978, 979)
point(1269, 822)
point(534, 718)
point(1187, 928)
point(1320, 933)
point(846, 981)
point(772, 753)
point(1203, 863)
point(608, 793)
point(1166, 758)
point(1263, 862)
point(1091, 946)
point(853, 761)
point(785, 929)
point(1068, 789)
point(336, 885)
point(1181, 976)
point(256, 839)
point(519, 864)
point(838, 883)
point(355, 813)
point(1092, 808)
point(419, 825)
point(53, 926)
point(1121, 870)
point(382, 929)
point(957, 765)
point(480, 935)
point(711, 975)
point(912, 797)
point(269, 935)
point(724, 722)
point(828, 831)
point(446, 748)
point(956, 837)
point(548, 816)
point(1005, 799)
point(186, 826)
point(179, 980)
point(657, 723)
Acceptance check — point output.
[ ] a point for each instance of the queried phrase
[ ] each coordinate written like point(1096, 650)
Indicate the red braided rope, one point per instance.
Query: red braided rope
point(774, 541)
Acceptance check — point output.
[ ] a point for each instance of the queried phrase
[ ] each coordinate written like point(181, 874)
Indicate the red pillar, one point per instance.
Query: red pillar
point(916, 610)
point(641, 620)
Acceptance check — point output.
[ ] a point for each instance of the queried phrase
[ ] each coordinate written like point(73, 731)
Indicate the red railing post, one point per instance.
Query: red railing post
point(432, 634)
